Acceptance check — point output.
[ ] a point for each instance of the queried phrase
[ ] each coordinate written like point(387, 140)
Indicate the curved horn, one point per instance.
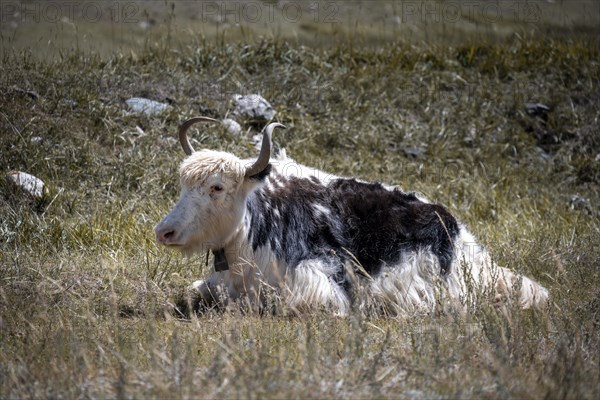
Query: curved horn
point(265, 150)
point(183, 139)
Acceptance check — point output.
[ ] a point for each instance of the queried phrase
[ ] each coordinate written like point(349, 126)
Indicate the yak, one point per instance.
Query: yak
point(314, 238)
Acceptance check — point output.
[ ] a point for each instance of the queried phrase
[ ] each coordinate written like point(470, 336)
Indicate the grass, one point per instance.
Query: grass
point(86, 296)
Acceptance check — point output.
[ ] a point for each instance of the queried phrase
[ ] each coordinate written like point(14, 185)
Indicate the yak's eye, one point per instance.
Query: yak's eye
point(216, 188)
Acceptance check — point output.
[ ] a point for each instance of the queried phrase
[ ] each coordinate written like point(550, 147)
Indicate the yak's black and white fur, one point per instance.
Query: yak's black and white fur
point(313, 237)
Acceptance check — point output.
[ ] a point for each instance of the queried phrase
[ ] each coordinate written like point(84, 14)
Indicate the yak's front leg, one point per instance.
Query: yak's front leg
point(201, 296)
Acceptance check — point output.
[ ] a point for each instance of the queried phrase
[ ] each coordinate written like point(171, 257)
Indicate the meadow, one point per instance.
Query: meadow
point(375, 90)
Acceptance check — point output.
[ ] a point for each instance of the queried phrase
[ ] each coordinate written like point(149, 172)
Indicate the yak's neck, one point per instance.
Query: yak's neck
point(238, 250)
point(255, 217)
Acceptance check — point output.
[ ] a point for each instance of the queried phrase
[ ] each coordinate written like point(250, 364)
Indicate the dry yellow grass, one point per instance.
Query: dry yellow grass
point(87, 297)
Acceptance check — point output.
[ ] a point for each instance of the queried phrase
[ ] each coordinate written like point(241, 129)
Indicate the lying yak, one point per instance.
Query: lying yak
point(315, 239)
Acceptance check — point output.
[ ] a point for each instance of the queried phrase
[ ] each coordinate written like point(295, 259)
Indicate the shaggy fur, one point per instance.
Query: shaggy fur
point(319, 240)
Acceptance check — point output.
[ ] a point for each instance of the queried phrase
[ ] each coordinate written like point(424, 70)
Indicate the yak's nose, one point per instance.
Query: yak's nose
point(163, 235)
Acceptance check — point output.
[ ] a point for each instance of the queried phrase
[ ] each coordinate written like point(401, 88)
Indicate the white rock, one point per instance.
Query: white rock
point(232, 126)
point(253, 106)
point(537, 109)
point(29, 183)
point(147, 107)
point(256, 141)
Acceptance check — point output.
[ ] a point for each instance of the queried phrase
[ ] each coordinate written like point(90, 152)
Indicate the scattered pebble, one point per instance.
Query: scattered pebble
point(537, 109)
point(36, 139)
point(416, 394)
point(415, 151)
point(147, 107)
point(580, 203)
point(29, 93)
point(232, 126)
point(544, 155)
point(28, 183)
point(253, 106)
point(70, 103)
point(256, 141)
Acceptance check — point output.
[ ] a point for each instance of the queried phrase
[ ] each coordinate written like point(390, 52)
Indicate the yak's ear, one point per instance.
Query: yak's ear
point(262, 174)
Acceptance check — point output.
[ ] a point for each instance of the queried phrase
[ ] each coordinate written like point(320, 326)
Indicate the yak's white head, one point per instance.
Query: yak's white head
point(214, 189)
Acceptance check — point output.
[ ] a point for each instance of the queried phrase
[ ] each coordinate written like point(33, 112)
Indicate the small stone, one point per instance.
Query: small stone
point(416, 394)
point(415, 151)
point(580, 203)
point(36, 139)
point(140, 105)
point(537, 109)
point(232, 126)
point(256, 141)
point(70, 103)
point(29, 93)
point(28, 183)
point(253, 106)
point(544, 155)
